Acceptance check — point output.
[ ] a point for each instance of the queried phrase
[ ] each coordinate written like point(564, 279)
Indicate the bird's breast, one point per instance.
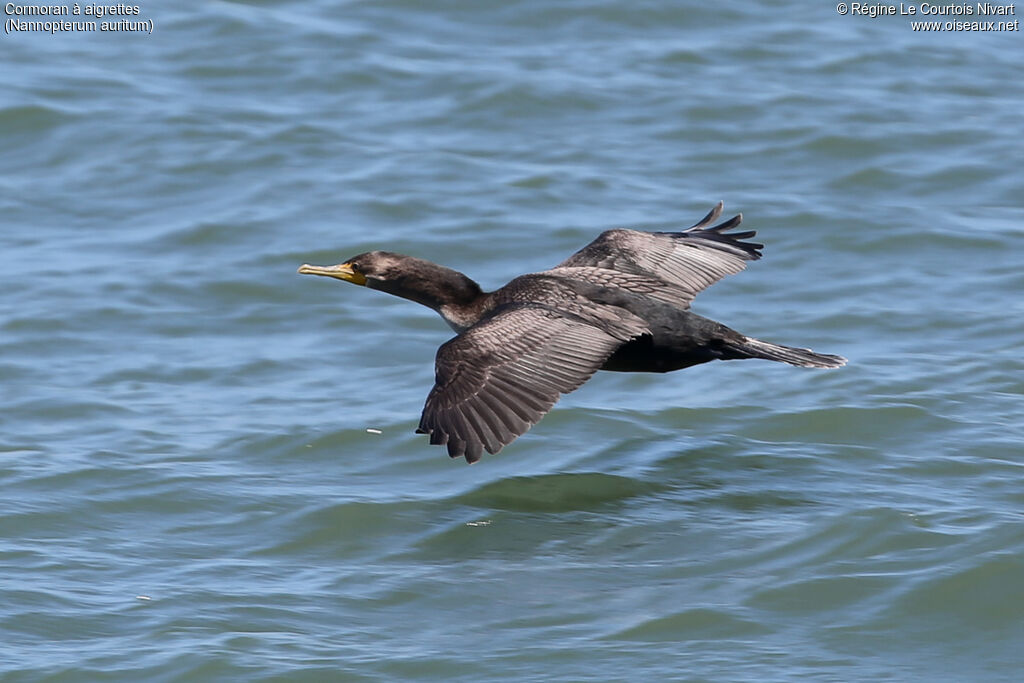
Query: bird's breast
point(459, 318)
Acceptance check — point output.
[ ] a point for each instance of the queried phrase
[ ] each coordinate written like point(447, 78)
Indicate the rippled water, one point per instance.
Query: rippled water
point(191, 491)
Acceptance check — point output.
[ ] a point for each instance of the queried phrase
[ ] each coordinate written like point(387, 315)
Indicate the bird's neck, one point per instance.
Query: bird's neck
point(456, 297)
point(462, 303)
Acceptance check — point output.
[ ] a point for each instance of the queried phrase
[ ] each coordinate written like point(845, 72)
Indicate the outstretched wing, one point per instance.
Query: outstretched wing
point(685, 262)
point(498, 378)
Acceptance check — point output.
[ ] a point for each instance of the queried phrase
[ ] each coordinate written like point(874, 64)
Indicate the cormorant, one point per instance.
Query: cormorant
point(620, 303)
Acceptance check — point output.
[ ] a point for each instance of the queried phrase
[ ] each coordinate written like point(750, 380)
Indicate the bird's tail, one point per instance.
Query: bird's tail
point(755, 348)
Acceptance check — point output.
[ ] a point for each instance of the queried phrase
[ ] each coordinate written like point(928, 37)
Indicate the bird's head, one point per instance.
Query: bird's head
point(405, 276)
point(372, 269)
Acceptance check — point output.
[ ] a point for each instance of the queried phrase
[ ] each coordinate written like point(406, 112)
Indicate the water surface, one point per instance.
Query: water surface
point(191, 491)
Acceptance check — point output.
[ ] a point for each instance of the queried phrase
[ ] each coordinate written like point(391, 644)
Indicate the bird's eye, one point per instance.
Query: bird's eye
point(354, 265)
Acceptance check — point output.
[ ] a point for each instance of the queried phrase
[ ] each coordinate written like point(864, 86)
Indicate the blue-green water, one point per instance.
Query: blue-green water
point(190, 489)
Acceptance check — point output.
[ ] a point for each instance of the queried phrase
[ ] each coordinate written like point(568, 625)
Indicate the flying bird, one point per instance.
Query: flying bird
point(621, 303)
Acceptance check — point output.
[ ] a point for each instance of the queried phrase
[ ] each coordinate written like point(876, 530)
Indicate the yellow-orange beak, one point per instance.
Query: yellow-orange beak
point(342, 271)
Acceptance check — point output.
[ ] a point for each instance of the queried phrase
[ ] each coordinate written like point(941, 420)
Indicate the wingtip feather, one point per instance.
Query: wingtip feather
point(711, 216)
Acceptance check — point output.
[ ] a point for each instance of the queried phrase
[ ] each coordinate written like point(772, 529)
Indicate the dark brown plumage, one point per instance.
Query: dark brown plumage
point(620, 303)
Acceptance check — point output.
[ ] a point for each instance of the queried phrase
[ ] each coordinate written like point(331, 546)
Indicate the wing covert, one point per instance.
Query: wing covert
point(498, 378)
point(686, 262)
